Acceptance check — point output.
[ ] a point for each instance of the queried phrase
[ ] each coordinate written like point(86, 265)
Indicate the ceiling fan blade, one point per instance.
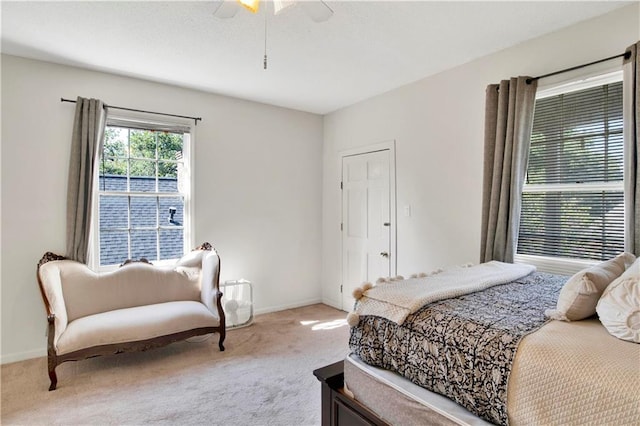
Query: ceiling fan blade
point(317, 10)
point(226, 9)
point(280, 5)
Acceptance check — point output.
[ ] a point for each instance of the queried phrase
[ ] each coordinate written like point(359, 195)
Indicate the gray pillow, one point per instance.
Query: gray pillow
point(580, 294)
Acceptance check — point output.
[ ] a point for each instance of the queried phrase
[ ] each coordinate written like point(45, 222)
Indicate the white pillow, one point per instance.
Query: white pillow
point(619, 306)
point(580, 294)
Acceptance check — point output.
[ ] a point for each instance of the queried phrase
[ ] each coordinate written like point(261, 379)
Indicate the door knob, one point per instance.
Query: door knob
point(386, 224)
point(384, 254)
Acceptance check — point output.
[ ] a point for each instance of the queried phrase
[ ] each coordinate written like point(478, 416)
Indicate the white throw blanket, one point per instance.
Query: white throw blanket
point(396, 300)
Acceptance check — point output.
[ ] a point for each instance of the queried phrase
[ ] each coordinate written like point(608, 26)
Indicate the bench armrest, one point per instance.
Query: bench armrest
point(210, 284)
point(51, 289)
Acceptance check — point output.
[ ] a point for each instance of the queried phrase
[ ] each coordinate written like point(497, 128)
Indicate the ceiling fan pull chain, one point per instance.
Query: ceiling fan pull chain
point(265, 40)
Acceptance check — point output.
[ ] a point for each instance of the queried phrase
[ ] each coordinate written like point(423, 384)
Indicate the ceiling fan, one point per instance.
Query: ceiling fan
point(317, 10)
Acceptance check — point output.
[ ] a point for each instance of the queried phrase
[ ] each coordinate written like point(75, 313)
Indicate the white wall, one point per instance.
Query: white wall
point(261, 210)
point(438, 126)
point(257, 187)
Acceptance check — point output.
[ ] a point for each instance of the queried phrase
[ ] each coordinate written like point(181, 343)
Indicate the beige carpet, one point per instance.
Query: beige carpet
point(265, 377)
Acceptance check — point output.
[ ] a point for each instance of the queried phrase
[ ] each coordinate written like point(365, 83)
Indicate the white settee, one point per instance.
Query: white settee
point(134, 308)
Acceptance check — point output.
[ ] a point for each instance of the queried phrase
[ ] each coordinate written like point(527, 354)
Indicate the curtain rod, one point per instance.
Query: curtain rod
point(626, 55)
point(196, 119)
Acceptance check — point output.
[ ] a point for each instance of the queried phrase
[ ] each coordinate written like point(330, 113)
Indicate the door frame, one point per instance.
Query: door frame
point(393, 245)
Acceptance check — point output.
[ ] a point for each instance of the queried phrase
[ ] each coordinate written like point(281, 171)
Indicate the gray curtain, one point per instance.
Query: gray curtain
point(86, 143)
point(507, 134)
point(631, 111)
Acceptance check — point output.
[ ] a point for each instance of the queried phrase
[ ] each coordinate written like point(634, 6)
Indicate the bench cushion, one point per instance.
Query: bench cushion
point(134, 324)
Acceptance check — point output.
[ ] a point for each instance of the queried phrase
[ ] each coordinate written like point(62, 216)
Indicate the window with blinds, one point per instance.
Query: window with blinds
point(573, 197)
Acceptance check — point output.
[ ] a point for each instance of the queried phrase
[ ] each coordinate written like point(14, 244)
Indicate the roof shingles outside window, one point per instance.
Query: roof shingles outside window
point(113, 214)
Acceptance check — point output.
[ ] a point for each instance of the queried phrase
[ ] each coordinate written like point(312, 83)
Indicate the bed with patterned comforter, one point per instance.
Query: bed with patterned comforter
point(464, 346)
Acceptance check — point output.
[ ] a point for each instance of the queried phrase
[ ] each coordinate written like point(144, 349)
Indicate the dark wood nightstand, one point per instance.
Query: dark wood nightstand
point(338, 409)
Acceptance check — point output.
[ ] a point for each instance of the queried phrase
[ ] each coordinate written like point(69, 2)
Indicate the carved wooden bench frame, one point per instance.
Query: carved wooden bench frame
point(53, 359)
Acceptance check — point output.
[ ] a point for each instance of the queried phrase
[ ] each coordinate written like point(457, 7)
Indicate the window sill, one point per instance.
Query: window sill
point(166, 263)
point(555, 265)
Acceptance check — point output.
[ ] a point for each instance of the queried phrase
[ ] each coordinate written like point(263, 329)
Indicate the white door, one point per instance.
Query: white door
point(366, 227)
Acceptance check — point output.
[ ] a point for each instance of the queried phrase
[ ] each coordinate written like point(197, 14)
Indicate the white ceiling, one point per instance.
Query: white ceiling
point(366, 48)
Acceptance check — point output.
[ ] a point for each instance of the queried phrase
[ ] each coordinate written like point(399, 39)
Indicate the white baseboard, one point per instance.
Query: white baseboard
point(299, 304)
point(332, 303)
point(21, 356)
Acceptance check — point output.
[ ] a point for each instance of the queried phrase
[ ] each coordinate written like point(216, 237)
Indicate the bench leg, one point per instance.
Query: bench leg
point(53, 377)
point(222, 336)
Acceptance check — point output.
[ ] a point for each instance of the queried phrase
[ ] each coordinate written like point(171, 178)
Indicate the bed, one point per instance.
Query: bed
point(485, 353)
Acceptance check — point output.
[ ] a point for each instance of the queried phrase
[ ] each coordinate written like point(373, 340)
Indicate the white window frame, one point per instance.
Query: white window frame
point(585, 80)
point(189, 207)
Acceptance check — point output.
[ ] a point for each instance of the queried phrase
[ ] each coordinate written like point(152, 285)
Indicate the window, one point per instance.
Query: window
point(573, 197)
point(143, 192)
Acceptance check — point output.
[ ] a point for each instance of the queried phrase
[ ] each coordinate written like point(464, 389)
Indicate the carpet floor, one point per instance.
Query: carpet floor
point(264, 377)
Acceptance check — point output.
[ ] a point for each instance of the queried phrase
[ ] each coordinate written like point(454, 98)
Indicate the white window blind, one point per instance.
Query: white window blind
point(573, 197)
